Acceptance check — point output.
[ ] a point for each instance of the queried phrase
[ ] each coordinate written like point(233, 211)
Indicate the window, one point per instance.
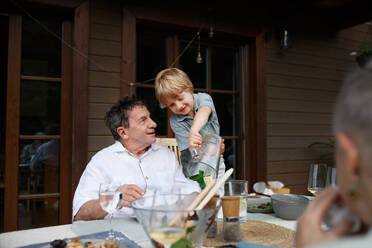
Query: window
point(217, 75)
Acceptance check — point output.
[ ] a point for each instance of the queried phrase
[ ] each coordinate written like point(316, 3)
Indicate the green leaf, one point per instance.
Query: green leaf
point(190, 229)
point(199, 178)
point(183, 243)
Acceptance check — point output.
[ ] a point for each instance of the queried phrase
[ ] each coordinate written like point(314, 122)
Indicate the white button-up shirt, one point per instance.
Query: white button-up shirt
point(157, 169)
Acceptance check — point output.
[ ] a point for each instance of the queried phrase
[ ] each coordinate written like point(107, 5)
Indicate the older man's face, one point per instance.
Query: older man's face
point(141, 129)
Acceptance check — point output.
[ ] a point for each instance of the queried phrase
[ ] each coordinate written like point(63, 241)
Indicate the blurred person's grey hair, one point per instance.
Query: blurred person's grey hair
point(353, 110)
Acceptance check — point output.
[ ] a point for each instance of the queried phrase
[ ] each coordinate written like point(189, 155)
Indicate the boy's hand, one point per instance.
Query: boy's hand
point(195, 139)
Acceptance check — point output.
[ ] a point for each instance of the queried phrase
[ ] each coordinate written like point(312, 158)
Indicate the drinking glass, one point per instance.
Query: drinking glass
point(239, 188)
point(110, 199)
point(331, 176)
point(167, 219)
point(317, 178)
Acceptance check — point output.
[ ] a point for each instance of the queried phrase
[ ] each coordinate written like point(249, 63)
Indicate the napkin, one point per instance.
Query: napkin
point(272, 187)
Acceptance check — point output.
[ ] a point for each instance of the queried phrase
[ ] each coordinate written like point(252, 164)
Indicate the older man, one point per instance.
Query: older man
point(353, 131)
point(134, 160)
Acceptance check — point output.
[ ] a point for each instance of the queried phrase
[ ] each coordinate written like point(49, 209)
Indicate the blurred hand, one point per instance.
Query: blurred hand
point(195, 139)
point(309, 230)
point(130, 193)
point(222, 147)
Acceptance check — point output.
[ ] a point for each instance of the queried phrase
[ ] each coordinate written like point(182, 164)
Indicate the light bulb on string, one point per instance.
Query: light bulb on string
point(211, 32)
point(199, 58)
point(285, 41)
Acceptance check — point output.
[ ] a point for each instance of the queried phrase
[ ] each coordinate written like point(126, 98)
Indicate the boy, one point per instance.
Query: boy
point(194, 115)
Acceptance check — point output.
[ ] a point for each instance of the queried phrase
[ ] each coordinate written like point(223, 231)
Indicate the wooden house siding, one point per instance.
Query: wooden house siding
point(104, 70)
point(302, 86)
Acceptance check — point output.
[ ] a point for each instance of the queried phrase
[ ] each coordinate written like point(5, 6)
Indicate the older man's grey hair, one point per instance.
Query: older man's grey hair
point(353, 111)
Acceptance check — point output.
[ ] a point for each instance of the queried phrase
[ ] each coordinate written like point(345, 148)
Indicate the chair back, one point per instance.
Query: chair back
point(171, 143)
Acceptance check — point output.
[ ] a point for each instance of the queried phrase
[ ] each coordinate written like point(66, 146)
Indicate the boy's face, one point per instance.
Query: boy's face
point(182, 104)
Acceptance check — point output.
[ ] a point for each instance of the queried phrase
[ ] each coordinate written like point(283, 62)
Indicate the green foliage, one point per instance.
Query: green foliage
point(181, 243)
point(185, 242)
point(365, 49)
point(199, 178)
point(328, 146)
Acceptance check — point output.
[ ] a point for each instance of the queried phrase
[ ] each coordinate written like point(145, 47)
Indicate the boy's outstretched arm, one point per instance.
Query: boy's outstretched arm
point(200, 119)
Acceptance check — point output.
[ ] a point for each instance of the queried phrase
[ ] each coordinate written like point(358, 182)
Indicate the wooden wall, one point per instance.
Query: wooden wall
point(302, 85)
point(104, 70)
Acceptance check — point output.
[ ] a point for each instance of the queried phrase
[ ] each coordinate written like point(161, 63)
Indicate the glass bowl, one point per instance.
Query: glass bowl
point(167, 220)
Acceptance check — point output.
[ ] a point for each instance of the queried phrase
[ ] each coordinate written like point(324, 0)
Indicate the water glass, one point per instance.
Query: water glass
point(239, 188)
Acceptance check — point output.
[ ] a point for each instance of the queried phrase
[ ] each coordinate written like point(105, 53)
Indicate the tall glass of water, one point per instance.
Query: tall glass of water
point(239, 188)
point(110, 199)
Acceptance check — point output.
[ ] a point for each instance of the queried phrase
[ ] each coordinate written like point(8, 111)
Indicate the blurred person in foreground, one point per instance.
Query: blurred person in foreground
point(135, 161)
point(353, 131)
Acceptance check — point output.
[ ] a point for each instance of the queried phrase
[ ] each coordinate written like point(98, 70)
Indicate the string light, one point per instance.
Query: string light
point(285, 41)
point(199, 58)
point(98, 65)
point(211, 32)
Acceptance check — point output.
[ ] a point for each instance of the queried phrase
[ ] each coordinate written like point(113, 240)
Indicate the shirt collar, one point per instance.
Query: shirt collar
point(118, 147)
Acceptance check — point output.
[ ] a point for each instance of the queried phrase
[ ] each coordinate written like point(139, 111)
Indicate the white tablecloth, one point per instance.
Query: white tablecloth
point(128, 226)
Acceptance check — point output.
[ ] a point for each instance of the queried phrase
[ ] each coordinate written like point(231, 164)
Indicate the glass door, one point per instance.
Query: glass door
point(36, 122)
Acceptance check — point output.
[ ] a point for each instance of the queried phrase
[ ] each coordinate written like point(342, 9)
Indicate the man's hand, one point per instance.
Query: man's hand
point(309, 230)
point(130, 193)
point(195, 139)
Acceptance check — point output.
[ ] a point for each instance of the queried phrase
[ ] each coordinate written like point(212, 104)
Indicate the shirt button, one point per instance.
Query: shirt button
point(147, 178)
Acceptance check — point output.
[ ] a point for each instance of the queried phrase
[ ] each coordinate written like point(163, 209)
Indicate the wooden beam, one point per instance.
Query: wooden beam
point(184, 19)
point(12, 123)
point(256, 166)
point(58, 3)
point(80, 93)
point(261, 108)
point(66, 123)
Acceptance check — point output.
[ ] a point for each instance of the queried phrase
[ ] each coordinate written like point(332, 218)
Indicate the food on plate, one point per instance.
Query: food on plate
point(263, 206)
point(108, 245)
point(74, 243)
point(77, 243)
point(254, 196)
point(89, 245)
point(58, 243)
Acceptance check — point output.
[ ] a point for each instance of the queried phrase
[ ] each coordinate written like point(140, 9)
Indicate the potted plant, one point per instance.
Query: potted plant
point(364, 53)
point(328, 149)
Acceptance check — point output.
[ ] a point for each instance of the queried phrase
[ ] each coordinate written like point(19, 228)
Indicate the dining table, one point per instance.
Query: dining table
point(128, 226)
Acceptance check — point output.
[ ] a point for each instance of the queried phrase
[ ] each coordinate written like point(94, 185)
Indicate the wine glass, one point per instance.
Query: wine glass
point(317, 178)
point(110, 200)
point(167, 219)
point(331, 176)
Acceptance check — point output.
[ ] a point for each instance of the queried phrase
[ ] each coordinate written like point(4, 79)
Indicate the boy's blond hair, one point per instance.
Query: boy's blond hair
point(171, 82)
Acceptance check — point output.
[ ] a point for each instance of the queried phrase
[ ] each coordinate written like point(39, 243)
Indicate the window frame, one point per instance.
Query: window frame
point(13, 136)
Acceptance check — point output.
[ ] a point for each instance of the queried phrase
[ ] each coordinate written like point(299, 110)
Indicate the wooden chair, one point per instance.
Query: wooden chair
point(172, 145)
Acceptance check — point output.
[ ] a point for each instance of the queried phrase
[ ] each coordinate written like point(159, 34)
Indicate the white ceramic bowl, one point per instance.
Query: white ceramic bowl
point(288, 206)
